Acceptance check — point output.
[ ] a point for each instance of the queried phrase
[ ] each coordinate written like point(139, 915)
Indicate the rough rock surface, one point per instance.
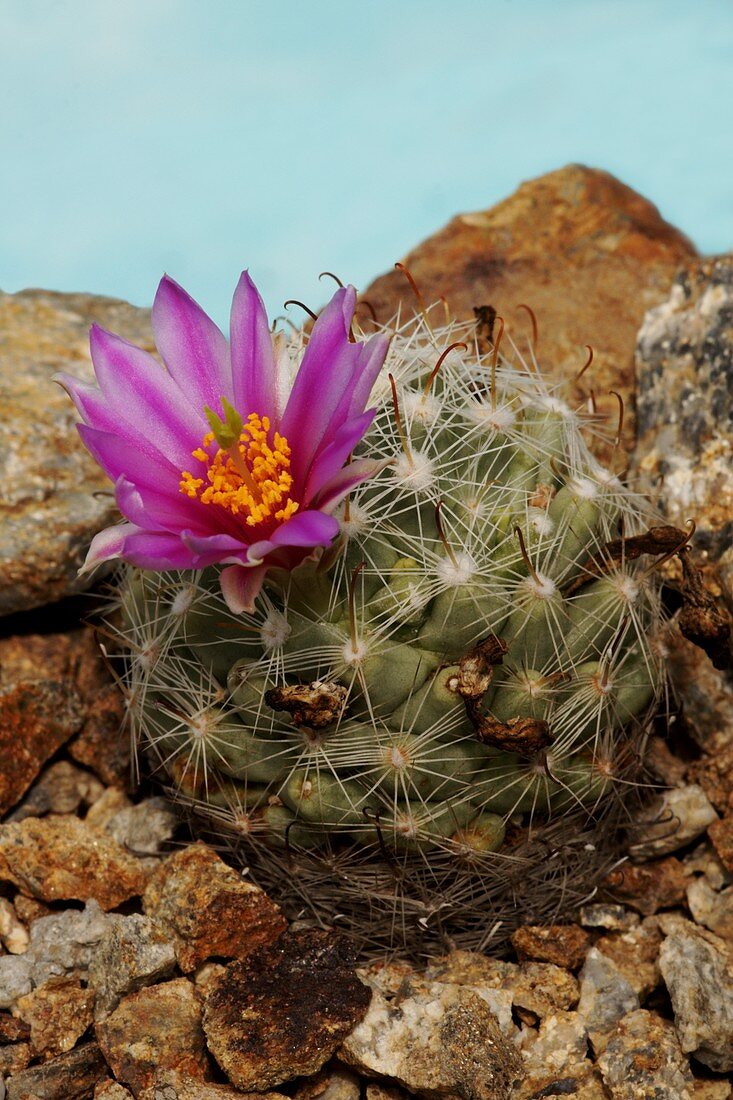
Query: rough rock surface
point(48, 502)
point(649, 887)
point(70, 1076)
point(132, 953)
point(643, 1059)
point(684, 364)
point(562, 944)
point(587, 253)
point(58, 1014)
point(60, 943)
point(60, 858)
point(605, 997)
point(443, 1041)
point(155, 1029)
point(698, 973)
point(673, 820)
point(284, 1009)
point(36, 718)
point(208, 909)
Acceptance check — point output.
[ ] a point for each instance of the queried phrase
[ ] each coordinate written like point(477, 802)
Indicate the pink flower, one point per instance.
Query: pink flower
point(213, 460)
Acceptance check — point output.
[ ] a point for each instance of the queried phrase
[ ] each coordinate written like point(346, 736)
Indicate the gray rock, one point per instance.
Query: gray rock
point(132, 953)
point(684, 367)
point(615, 918)
point(712, 908)
point(562, 1041)
point(673, 820)
point(439, 1041)
point(144, 828)
point(61, 789)
point(643, 1059)
point(60, 944)
point(16, 978)
point(48, 502)
point(605, 997)
point(698, 972)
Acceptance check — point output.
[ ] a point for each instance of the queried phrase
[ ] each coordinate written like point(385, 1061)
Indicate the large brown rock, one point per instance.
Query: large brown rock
point(35, 720)
point(48, 508)
point(587, 253)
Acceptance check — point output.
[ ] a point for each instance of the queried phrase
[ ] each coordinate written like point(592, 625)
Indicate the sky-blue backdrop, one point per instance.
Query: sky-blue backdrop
point(200, 136)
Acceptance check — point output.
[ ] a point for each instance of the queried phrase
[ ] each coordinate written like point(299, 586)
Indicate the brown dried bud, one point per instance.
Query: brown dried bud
point(314, 705)
point(476, 668)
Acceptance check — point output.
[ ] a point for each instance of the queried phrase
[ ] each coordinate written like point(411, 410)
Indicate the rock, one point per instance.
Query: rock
point(29, 909)
point(36, 718)
point(698, 974)
point(684, 365)
point(143, 828)
point(16, 978)
point(612, 917)
point(60, 858)
point(111, 1090)
point(207, 908)
point(38, 656)
point(580, 1082)
point(53, 510)
point(714, 772)
point(562, 944)
point(706, 698)
point(605, 997)
point(172, 1085)
point(721, 834)
point(61, 943)
point(712, 908)
point(12, 1030)
point(282, 1011)
point(132, 953)
point(447, 1046)
point(643, 1059)
point(708, 1089)
point(332, 1083)
point(542, 988)
point(61, 789)
point(672, 820)
point(382, 1091)
point(14, 1058)
point(649, 886)
point(562, 1041)
point(153, 1030)
point(71, 1076)
point(636, 956)
point(102, 744)
point(58, 1014)
point(13, 935)
point(111, 802)
point(547, 245)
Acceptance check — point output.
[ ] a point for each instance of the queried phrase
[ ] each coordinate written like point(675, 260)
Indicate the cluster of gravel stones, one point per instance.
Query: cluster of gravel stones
point(135, 962)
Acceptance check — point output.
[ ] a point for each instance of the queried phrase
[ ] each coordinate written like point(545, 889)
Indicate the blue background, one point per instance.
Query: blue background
point(202, 136)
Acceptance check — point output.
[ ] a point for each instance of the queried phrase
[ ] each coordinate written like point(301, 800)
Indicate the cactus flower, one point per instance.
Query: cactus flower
point(217, 458)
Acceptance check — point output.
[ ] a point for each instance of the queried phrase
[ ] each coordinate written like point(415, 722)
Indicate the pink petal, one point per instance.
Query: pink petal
point(106, 545)
point(143, 394)
point(121, 457)
point(347, 479)
point(153, 509)
point(240, 587)
point(309, 528)
point(331, 372)
point(194, 348)
point(209, 549)
point(332, 457)
point(157, 550)
point(254, 370)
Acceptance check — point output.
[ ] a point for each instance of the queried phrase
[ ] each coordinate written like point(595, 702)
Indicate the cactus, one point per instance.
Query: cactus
point(423, 724)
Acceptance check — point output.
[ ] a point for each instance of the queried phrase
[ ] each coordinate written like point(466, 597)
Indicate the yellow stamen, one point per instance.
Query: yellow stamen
point(252, 478)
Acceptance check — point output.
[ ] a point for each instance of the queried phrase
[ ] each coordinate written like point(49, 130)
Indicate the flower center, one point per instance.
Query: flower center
point(247, 476)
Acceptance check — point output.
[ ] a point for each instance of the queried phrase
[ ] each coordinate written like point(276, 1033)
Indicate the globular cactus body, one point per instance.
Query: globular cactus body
point(353, 726)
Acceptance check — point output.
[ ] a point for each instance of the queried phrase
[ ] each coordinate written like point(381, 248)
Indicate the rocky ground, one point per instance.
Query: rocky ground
point(135, 962)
